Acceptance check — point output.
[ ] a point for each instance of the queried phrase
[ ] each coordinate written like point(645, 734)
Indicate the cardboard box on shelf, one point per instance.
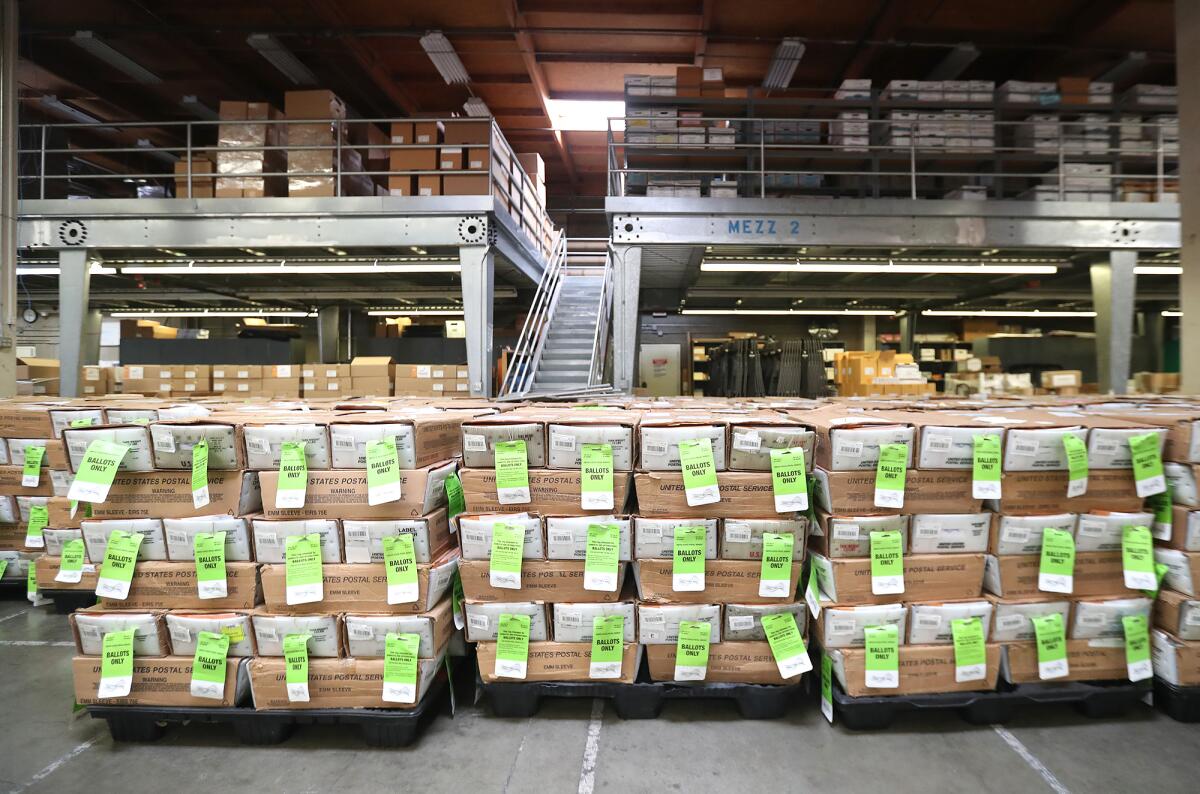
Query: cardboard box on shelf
point(361, 587)
point(342, 493)
point(1025, 492)
point(925, 491)
point(48, 568)
point(728, 663)
point(1176, 661)
point(927, 577)
point(541, 580)
point(1097, 573)
point(559, 661)
point(552, 492)
point(1087, 660)
point(168, 494)
point(924, 669)
point(725, 582)
point(172, 585)
point(160, 681)
point(334, 683)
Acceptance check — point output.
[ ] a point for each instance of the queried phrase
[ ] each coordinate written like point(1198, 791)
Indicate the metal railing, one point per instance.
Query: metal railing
point(522, 368)
point(917, 155)
point(601, 337)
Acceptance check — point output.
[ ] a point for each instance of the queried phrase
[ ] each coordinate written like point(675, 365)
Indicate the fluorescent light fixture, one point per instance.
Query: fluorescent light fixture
point(797, 312)
point(281, 58)
point(172, 252)
point(1172, 313)
point(874, 267)
point(476, 108)
point(783, 64)
point(585, 115)
point(213, 313)
point(1157, 270)
point(252, 251)
point(444, 58)
point(197, 108)
point(327, 269)
point(53, 270)
point(1002, 313)
point(52, 102)
point(336, 251)
point(86, 40)
point(415, 313)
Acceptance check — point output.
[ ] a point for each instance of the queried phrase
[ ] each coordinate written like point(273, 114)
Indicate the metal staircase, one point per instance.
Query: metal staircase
point(564, 344)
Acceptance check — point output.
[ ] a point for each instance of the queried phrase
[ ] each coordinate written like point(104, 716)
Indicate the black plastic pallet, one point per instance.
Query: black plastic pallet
point(12, 588)
point(379, 727)
point(643, 699)
point(1096, 699)
point(1180, 703)
point(67, 601)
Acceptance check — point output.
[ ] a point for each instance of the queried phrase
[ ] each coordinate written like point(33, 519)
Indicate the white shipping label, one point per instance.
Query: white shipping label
point(741, 622)
point(747, 442)
point(737, 533)
point(563, 443)
point(938, 443)
point(473, 442)
point(1026, 447)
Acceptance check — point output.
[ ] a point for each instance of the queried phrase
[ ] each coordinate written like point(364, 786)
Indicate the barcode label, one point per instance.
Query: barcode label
point(939, 443)
point(1025, 446)
point(474, 443)
point(656, 447)
point(563, 442)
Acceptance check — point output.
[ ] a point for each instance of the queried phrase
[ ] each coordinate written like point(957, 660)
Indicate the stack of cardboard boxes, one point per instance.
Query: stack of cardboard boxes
point(325, 380)
point(166, 380)
point(372, 375)
point(862, 373)
point(307, 168)
point(241, 166)
point(436, 380)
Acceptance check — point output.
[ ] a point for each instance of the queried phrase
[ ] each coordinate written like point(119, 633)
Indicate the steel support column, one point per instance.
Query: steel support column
point(908, 329)
point(478, 290)
point(1156, 334)
point(74, 282)
point(328, 328)
point(8, 197)
point(1114, 285)
point(870, 334)
point(1187, 75)
point(627, 279)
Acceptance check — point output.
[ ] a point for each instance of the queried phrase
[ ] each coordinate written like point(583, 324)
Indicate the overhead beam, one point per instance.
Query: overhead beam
point(366, 58)
point(1126, 69)
point(616, 57)
point(883, 25)
point(706, 15)
point(529, 56)
point(955, 62)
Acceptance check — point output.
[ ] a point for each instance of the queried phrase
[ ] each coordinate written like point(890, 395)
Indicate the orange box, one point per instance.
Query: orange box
point(465, 185)
point(450, 158)
point(429, 185)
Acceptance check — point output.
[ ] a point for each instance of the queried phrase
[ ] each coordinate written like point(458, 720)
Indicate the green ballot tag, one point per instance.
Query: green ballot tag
point(120, 558)
point(70, 564)
point(970, 651)
point(96, 472)
point(1051, 645)
point(787, 646)
point(3, 567)
point(1160, 570)
point(1056, 572)
point(512, 473)
point(303, 574)
point(508, 547)
point(1137, 647)
point(116, 664)
point(699, 472)
point(31, 473)
point(400, 563)
point(209, 552)
point(400, 663)
point(457, 596)
point(882, 656)
point(985, 467)
point(31, 588)
point(687, 567)
point(812, 593)
point(292, 485)
point(1146, 451)
point(235, 634)
point(512, 646)
point(295, 665)
point(1137, 558)
point(39, 517)
point(608, 646)
point(827, 687)
point(789, 480)
point(887, 562)
point(890, 474)
point(454, 495)
point(208, 665)
point(383, 472)
point(200, 474)
point(1077, 465)
point(775, 578)
point(691, 650)
point(596, 477)
point(1161, 505)
point(600, 565)
point(85, 422)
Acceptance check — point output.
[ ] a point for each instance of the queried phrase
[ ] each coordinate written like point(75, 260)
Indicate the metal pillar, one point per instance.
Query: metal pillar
point(74, 282)
point(478, 290)
point(1114, 285)
point(908, 329)
point(870, 334)
point(8, 197)
point(1187, 75)
point(328, 326)
point(1156, 334)
point(627, 279)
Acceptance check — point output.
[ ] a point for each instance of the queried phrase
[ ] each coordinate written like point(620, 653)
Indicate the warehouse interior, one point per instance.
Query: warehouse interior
point(272, 222)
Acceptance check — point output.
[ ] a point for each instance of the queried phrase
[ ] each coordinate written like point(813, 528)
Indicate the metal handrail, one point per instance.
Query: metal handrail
point(603, 324)
point(518, 378)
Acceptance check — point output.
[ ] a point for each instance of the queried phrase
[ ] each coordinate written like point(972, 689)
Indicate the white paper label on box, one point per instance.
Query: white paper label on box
point(258, 445)
point(1093, 619)
point(164, 373)
point(1015, 535)
point(1057, 668)
point(1008, 622)
point(558, 536)
point(473, 442)
point(360, 631)
point(1192, 617)
point(604, 669)
point(507, 668)
point(424, 371)
point(741, 622)
point(847, 532)
point(343, 441)
point(283, 371)
point(656, 447)
point(243, 373)
point(840, 626)
point(970, 672)
point(1107, 446)
point(687, 582)
point(474, 536)
point(563, 442)
point(939, 443)
point(164, 442)
point(929, 530)
point(650, 531)
point(1026, 447)
point(883, 679)
point(181, 634)
point(1077, 487)
point(748, 442)
point(479, 622)
point(137, 373)
point(1062, 380)
point(690, 672)
point(1056, 583)
point(570, 617)
point(266, 633)
point(852, 448)
point(298, 693)
point(737, 532)
point(929, 621)
point(1091, 528)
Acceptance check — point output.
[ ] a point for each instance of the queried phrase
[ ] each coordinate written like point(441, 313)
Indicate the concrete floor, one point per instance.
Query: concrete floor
point(693, 747)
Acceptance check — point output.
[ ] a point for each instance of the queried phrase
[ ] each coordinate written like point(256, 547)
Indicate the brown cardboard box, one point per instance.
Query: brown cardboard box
point(1027, 492)
point(361, 588)
point(25, 420)
point(281, 387)
point(927, 577)
point(159, 681)
point(1062, 379)
point(924, 669)
point(202, 178)
point(541, 580)
point(440, 614)
point(238, 371)
point(319, 103)
point(335, 683)
point(427, 132)
point(534, 166)
point(379, 387)
point(326, 371)
point(172, 585)
point(436, 437)
point(1074, 90)
point(48, 567)
point(559, 661)
point(1179, 526)
point(371, 367)
point(925, 491)
point(168, 494)
point(342, 493)
point(467, 131)
point(551, 491)
point(450, 158)
point(429, 185)
point(466, 185)
point(163, 638)
point(728, 663)
point(1166, 609)
point(1097, 573)
point(725, 582)
point(1087, 660)
point(10, 483)
point(1175, 661)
